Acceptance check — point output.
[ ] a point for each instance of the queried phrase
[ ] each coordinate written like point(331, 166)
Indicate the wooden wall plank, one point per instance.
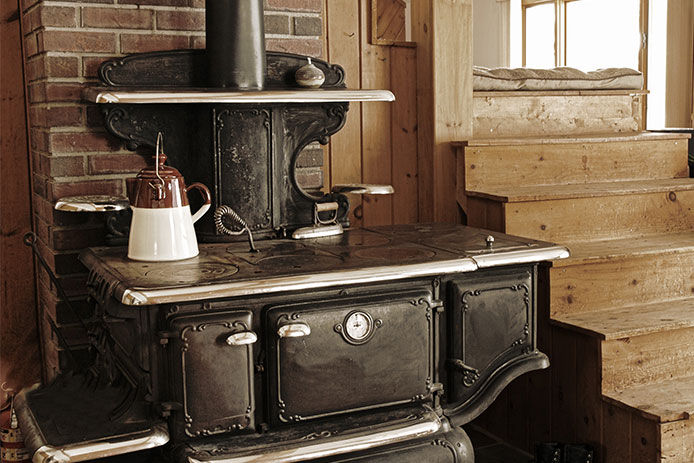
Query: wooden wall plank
point(588, 417)
point(403, 69)
point(344, 48)
point(680, 49)
point(564, 388)
point(19, 348)
point(375, 124)
point(616, 432)
point(443, 32)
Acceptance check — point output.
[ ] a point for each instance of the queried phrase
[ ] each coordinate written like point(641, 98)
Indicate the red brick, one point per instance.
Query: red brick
point(137, 43)
point(309, 47)
point(116, 163)
point(56, 92)
point(31, 20)
point(181, 20)
point(31, 45)
point(83, 141)
point(294, 5)
point(62, 66)
point(60, 166)
point(35, 68)
point(39, 183)
point(39, 139)
point(90, 65)
point(58, 16)
point(77, 238)
point(37, 92)
point(156, 2)
point(198, 42)
point(63, 116)
point(90, 187)
point(118, 18)
point(78, 41)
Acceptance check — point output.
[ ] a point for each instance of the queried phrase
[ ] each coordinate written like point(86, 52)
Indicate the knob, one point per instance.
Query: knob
point(490, 241)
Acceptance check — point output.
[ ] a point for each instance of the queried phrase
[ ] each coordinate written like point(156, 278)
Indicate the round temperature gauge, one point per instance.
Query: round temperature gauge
point(358, 325)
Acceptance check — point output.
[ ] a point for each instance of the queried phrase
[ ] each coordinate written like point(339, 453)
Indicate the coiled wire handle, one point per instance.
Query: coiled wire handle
point(226, 212)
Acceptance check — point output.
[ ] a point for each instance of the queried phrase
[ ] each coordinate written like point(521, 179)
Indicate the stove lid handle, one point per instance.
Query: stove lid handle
point(242, 338)
point(294, 330)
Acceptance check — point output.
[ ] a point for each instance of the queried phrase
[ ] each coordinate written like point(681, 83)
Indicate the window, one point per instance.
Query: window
point(585, 34)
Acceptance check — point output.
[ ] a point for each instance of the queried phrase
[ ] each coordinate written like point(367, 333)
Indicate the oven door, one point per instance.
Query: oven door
point(332, 357)
point(211, 358)
point(492, 320)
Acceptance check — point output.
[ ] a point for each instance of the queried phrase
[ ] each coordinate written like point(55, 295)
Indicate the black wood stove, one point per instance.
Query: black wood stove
point(374, 345)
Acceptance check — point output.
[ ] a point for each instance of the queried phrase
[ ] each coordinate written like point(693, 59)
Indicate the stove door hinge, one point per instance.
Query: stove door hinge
point(164, 336)
point(439, 307)
point(436, 391)
point(165, 408)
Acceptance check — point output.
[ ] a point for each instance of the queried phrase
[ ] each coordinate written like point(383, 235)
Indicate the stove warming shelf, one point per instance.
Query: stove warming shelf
point(178, 95)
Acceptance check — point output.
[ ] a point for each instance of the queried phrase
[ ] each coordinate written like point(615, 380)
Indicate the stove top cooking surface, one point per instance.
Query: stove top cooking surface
point(389, 252)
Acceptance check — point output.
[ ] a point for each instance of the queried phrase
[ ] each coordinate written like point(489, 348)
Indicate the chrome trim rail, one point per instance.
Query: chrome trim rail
point(296, 282)
point(520, 257)
point(104, 95)
point(368, 438)
point(109, 446)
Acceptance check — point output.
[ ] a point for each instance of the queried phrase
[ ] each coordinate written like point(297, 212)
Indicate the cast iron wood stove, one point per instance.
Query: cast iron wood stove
point(374, 345)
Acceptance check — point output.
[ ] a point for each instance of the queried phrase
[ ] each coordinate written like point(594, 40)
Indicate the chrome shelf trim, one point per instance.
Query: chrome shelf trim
point(427, 425)
point(296, 282)
point(114, 445)
point(521, 257)
point(104, 95)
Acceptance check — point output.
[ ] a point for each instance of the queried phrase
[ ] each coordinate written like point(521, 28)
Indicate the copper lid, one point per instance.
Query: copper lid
point(158, 186)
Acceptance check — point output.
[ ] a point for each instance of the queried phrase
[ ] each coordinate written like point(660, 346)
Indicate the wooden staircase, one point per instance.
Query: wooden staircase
point(619, 329)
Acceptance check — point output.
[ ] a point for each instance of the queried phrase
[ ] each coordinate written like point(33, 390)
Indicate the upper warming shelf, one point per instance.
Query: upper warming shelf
point(179, 95)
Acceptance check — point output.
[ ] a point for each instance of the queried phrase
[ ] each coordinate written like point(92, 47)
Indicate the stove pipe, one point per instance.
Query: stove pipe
point(235, 41)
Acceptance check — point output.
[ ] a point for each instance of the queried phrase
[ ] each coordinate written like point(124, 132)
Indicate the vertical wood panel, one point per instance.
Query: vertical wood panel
point(21, 360)
point(443, 32)
point(375, 124)
point(403, 69)
point(616, 431)
point(588, 391)
point(680, 48)
point(344, 48)
point(564, 388)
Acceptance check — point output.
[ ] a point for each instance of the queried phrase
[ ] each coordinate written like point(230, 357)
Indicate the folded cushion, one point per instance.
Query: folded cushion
point(563, 78)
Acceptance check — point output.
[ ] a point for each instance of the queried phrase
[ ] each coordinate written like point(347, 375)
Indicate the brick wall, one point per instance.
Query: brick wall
point(65, 41)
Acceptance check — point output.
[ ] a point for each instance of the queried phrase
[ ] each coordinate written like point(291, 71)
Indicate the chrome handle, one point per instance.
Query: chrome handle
point(294, 330)
point(363, 189)
point(242, 338)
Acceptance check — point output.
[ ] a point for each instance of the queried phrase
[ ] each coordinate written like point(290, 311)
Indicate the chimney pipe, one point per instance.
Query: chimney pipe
point(235, 42)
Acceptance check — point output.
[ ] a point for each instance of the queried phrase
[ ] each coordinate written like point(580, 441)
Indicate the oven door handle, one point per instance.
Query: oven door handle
point(242, 338)
point(294, 330)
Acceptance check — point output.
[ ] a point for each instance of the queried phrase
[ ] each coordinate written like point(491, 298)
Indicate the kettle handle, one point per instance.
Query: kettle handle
point(205, 195)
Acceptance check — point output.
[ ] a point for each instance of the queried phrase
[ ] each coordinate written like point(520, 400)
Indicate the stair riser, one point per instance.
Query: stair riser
point(647, 359)
point(677, 442)
point(491, 167)
point(604, 217)
point(522, 114)
point(621, 282)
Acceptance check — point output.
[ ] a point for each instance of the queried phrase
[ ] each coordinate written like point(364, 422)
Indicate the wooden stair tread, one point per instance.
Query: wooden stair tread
point(664, 401)
point(558, 139)
point(611, 249)
point(586, 190)
point(623, 322)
